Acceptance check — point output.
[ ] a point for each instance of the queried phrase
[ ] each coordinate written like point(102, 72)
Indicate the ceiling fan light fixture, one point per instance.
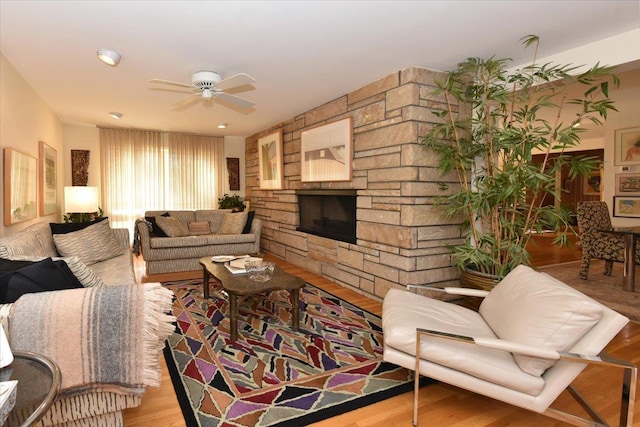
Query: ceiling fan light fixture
point(109, 57)
point(116, 115)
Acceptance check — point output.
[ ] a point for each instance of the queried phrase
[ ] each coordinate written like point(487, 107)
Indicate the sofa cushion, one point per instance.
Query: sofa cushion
point(68, 227)
point(22, 277)
point(531, 308)
point(84, 274)
point(203, 240)
point(92, 244)
point(197, 228)
point(155, 230)
point(233, 223)
point(171, 226)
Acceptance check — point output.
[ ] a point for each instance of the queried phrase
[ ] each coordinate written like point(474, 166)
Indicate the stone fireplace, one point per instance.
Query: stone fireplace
point(400, 237)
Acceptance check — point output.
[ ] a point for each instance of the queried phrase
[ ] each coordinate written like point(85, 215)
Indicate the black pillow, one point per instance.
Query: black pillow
point(247, 225)
point(41, 276)
point(69, 227)
point(155, 230)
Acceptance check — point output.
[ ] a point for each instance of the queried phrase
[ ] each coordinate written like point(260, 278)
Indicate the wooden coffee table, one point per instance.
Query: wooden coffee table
point(239, 285)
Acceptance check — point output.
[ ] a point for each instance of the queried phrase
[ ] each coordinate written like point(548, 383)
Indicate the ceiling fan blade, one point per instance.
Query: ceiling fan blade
point(235, 100)
point(187, 100)
point(233, 81)
point(169, 82)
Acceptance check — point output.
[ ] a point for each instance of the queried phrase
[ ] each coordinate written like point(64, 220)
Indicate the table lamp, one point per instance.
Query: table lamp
point(80, 203)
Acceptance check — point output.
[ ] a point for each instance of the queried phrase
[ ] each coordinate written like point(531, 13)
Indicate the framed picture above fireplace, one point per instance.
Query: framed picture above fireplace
point(327, 152)
point(270, 161)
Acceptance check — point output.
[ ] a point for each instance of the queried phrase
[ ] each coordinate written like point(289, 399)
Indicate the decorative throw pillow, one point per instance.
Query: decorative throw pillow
point(197, 228)
point(171, 226)
point(92, 244)
point(232, 223)
point(533, 308)
point(42, 276)
point(68, 227)
point(155, 230)
point(84, 274)
point(247, 226)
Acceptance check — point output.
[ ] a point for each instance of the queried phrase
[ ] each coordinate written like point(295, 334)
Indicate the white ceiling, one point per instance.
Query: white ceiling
point(302, 54)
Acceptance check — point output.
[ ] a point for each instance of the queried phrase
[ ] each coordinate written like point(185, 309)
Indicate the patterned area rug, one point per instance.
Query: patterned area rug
point(273, 376)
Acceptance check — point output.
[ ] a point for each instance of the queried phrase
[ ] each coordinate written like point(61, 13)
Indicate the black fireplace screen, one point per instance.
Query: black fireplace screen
point(330, 214)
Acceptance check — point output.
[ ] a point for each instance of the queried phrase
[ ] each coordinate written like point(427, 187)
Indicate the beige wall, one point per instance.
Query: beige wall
point(627, 101)
point(24, 120)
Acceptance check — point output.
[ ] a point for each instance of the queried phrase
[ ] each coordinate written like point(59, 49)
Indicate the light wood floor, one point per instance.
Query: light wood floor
point(440, 404)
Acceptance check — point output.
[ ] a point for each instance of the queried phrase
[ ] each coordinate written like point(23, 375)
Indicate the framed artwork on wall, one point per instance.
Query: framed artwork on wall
point(326, 152)
point(628, 184)
point(626, 206)
point(20, 186)
point(233, 169)
point(627, 146)
point(47, 179)
point(591, 183)
point(270, 161)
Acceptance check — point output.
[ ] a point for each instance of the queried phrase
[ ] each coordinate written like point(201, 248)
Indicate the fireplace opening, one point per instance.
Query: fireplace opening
point(328, 213)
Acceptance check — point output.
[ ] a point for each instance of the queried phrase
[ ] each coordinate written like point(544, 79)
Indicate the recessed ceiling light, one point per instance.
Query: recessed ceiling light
point(109, 57)
point(116, 115)
point(222, 126)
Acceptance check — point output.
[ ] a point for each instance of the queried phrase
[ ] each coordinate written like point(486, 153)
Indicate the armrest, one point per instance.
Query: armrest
point(528, 350)
point(452, 290)
point(496, 344)
point(122, 236)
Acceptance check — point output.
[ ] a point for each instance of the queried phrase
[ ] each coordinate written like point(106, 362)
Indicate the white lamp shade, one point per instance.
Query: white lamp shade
point(79, 199)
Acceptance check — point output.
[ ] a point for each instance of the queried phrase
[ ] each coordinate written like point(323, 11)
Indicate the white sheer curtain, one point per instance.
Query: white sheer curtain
point(148, 170)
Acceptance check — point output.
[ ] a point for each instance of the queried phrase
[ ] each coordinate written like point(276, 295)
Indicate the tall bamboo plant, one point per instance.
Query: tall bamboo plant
point(499, 193)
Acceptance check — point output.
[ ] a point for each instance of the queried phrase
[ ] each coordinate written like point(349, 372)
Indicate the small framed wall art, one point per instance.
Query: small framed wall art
point(628, 184)
point(327, 152)
point(47, 179)
point(20, 186)
point(270, 161)
point(626, 206)
point(627, 146)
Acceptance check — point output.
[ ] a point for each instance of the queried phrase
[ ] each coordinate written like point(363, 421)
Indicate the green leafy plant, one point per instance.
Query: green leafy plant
point(83, 217)
point(231, 202)
point(493, 121)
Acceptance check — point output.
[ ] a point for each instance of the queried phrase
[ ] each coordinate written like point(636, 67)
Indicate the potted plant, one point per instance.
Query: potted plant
point(231, 202)
point(494, 119)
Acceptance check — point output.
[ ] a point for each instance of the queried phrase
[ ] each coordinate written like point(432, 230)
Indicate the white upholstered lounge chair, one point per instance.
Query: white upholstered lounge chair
point(531, 337)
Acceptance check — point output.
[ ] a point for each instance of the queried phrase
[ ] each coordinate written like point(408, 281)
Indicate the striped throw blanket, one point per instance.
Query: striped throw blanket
point(105, 338)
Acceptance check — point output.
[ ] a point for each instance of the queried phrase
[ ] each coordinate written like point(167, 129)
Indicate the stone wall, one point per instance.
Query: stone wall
point(401, 237)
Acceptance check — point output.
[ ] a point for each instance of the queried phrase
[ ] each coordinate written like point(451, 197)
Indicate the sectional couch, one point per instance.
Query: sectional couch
point(199, 233)
point(136, 316)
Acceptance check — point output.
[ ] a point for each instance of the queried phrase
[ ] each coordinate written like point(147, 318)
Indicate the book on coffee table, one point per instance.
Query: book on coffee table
point(238, 266)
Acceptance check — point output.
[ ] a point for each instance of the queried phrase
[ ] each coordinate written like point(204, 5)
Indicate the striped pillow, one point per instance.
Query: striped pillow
point(197, 228)
point(84, 274)
point(92, 244)
point(171, 226)
point(233, 223)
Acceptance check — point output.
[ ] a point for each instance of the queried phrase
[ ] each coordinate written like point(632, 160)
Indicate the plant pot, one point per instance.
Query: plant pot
point(477, 280)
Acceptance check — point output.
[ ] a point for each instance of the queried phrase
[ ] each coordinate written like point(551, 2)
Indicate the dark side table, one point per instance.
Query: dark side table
point(38, 384)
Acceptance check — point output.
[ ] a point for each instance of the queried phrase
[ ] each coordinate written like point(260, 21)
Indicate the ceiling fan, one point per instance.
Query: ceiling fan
point(209, 84)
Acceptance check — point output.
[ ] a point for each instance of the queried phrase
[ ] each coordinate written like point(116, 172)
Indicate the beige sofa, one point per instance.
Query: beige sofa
point(173, 254)
point(92, 403)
